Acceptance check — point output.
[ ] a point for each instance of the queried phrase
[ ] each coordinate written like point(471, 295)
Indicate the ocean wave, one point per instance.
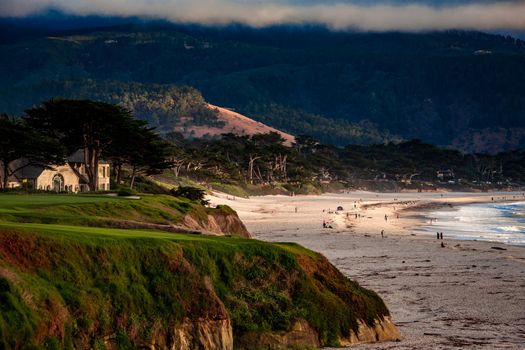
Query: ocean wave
point(496, 222)
point(512, 229)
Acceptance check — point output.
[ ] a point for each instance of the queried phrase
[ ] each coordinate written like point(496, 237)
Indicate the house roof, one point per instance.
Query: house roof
point(27, 172)
point(78, 157)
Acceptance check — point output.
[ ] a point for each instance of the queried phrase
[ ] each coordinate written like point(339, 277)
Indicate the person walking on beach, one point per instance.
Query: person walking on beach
point(296, 209)
point(437, 235)
point(441, 235)
point(386, 217)
point(382, 233)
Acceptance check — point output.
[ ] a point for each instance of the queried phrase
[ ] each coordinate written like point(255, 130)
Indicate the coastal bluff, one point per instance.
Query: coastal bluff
point(67, 285)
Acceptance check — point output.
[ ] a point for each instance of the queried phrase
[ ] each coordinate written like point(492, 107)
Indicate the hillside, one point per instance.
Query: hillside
point(167, 107)
point(340, 87)
point(64, 285)
point(228, 121)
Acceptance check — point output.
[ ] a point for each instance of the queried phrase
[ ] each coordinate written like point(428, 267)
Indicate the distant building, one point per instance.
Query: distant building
point(445, 175)
point(68, 177)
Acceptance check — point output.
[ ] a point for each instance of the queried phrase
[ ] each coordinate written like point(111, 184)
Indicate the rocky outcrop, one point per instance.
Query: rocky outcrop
point(203, 334)
point(217, 222)
point(209, 328)
point(303, 335)
point(382, 330)
point(300, 335)
point(228, 223)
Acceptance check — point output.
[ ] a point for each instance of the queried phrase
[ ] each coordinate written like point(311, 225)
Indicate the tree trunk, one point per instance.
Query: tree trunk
point(91, 159)
point(177, 167)
point(259, 174)
point(250, 167)
point(89, 167)
point(118, 170)
point(133, 175)
point(177, 170)
point(250, 171)
point(284, 168)
point(95, 171)
point(5, 174)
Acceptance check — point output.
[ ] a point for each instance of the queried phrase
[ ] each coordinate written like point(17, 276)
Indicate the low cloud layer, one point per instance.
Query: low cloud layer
point(340, 16)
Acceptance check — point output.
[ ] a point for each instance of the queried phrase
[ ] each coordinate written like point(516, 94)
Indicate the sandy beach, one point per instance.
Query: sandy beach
point(468, 294)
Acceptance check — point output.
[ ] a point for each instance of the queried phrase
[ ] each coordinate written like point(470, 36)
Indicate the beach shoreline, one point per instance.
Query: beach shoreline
point(466, 294)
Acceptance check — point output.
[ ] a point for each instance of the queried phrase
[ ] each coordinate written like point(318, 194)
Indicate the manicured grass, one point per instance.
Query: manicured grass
point(93, 210)
point(91, 235)
point(14, 201)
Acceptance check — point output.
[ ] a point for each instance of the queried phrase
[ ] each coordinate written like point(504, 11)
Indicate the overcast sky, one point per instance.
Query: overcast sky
point(357, 14)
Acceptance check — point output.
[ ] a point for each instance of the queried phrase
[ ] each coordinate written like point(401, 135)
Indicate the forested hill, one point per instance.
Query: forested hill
point(465, 89)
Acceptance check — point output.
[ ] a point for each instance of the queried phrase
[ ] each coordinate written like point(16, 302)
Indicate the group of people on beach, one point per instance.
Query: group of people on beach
point(439, 235)
point(326, 224)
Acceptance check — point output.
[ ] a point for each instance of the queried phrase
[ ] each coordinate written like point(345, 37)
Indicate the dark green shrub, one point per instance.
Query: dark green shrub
point(125, 192)
point(192, 193)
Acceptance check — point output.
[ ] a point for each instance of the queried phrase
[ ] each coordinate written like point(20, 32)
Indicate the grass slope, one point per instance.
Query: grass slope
point(64, 286)
point(97, 210)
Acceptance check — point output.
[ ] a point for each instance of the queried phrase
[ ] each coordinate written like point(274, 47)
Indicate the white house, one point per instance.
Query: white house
point(69, 177)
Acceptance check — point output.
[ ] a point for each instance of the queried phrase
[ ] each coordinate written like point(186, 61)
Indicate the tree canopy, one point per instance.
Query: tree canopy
point(19, 142)
point(100, 130)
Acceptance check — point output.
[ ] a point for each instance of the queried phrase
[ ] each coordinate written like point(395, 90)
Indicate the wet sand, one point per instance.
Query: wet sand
point(465, 295)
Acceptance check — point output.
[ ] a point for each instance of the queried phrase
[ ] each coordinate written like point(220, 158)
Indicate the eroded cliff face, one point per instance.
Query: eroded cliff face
point(303, 335)
point(382, 330)
point(210, 334)
point(228, 224)
point(203, 334)
point(212, 330)
point(300, 335)
point(217, 223)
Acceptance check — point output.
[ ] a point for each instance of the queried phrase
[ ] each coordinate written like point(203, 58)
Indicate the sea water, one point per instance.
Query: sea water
point(495, 222)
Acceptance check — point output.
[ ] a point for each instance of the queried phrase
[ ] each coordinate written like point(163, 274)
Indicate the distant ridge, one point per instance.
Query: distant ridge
point(458, 89)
